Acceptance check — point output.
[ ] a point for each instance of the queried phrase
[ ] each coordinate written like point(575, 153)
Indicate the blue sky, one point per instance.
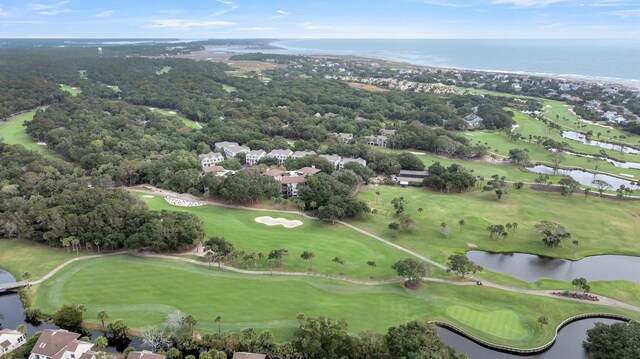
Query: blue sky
point(325, 18)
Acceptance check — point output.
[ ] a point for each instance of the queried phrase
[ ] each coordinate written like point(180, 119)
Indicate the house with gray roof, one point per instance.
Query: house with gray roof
point(280, 155)
point(220, 146)
point(344, 137)
point(300, 154)
point(61, 344)
point(333, 159)
point(358, 160)
point(378, 140)
point(233, 150)
point(254, 156)
point(10, 340)
point(210, 159)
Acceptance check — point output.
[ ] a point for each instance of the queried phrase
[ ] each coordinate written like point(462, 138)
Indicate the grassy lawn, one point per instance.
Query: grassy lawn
point(164, 70)
point(327, 241)
point(602, 226)
point(229, 88)
point(74, 91)
point(170, 113)
point(144, 291)
point(19, 256)
point(14, 132)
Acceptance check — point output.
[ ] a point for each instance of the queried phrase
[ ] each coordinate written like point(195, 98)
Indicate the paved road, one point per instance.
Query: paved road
point(546, 293)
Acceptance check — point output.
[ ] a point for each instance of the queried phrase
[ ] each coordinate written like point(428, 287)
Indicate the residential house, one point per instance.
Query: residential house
point(254, 156)
point(308, 171)
point(333, 159)
point(210, 159)
point(10, 340)
point(387, 132)
point(233, 150)
point(405, 177)
point(275, 174)
point(613, 117)
point(358, 160)
point(290, 185)
point(379, 140)
point(280, 155)
point(344, 137)
point(61, 344)
point(214, 169)
point(300, 154)
point(474, 120)
point(243, 355)
point(145, 354)
point(220, 146)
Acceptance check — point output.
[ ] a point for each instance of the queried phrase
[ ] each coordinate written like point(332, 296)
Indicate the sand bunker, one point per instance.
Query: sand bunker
point(147, 196)
point(182, 202)
point(472, 245)
point(270, 221)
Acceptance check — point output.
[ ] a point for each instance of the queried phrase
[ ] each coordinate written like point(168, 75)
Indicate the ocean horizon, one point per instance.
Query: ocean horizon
point(601, 60)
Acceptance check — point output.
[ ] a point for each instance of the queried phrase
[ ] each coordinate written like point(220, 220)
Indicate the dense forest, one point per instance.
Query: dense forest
point(47, 201)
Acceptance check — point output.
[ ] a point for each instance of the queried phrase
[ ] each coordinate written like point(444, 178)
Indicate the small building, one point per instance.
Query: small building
point(61, 344)
point(387, 132)
point(220, 146)
point(344, 137)
point(379, 140)
point(232, 151)
point(333, 159)
point(308, 171)
point(275, 174)
point(210, 159)
point(243, 355)
point(301, 154)
point(10, 340)
point(254, 156)
point(280, 155)
point(358, 160)
point(474, 120)
point(145, 354)
point(405, 177)
point(214, 169)
point(290, 185)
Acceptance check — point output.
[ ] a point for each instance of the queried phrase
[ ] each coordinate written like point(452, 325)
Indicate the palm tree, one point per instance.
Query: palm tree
point(377, 196)
point(575, 245)
point(22, 328)
point(514, 225)
point(300, 318)
point(102, 316)
point(461, 223)
point(420, 210)
point(100, 343)
point(543, 321)
point(209, 256)
point(81, 308)
point(373, 265)
point(218, 319)
point(308, 256)
point(339, 261)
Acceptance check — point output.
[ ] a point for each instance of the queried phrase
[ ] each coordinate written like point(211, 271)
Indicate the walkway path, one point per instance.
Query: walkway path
point(546, 293)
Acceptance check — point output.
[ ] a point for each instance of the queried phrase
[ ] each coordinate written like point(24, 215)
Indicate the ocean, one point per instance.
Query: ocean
point(606, 60)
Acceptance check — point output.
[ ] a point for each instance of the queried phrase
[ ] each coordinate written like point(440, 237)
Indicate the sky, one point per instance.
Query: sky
point(189, 19)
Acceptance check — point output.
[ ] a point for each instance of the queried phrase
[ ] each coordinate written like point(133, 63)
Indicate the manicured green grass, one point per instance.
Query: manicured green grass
point(74, 91)
point(19, 256)
point(229, 88)
point(186, 121)
point(143, 291)
point(164, 70)
point(14, 132)
point(602, 226)
point(325, 240)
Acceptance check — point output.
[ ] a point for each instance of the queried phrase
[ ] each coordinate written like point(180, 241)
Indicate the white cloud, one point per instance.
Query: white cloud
point(528, 3)
point(280, 14)
point(607, 3)
point(40, 7)
point(106, 13)
point(627, 13)
point(256, 28)
point(231, 6)
point(312, 26)
point(442, 3)
point(189, 23)
point(3, 13)
point(54, 12)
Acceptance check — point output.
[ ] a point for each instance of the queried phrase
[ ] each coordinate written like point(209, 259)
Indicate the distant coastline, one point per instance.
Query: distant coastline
point(285, 47)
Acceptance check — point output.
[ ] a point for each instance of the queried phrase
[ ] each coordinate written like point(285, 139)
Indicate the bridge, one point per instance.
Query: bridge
point(13, 285)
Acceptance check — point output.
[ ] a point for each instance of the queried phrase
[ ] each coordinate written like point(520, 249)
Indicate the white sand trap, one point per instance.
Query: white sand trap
point(471, 245)
point(182, 202)
point(270, 221)
point(172, 112)
point(417, 153)
point(627, 175)
point(148, 196)
point(41, 143)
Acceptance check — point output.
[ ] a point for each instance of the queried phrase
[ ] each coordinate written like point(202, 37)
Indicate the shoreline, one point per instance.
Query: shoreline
point(627, 83)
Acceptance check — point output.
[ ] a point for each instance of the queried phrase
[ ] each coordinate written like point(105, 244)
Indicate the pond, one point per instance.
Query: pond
point(11, 307)
point(584, 177)
point(576, 136)
point(568, 344)
point(530, 268)
point(619, 164)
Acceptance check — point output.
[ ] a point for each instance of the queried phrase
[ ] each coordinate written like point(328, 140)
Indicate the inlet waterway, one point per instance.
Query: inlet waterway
point(576, 136)
point(584, 177)
point(530, 267)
